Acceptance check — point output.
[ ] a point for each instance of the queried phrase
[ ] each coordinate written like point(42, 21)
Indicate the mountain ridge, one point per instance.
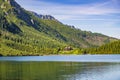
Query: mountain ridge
point(46, 17)
point(23, 33)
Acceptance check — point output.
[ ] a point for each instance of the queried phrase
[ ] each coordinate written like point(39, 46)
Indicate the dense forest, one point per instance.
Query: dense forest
point(110, 48)
point(22, 33)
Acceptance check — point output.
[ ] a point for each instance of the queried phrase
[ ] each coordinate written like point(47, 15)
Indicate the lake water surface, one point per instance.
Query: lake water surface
point(85, 67)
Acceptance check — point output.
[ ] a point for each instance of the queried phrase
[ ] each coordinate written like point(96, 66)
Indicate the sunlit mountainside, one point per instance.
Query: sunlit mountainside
point(24, 32)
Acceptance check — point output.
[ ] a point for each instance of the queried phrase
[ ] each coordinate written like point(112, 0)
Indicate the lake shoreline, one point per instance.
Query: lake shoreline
point(66, 58)
point(56, 55)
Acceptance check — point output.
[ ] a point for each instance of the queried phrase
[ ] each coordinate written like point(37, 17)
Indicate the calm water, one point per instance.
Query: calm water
point(95, 67)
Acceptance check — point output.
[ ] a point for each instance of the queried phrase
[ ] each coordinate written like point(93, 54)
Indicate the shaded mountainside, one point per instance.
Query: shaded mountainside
point(24, 33)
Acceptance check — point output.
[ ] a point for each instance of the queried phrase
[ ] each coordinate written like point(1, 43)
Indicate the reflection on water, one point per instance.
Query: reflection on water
point(59, 70)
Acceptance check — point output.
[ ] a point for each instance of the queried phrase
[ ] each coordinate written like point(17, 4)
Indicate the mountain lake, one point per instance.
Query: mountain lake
point(60, 67)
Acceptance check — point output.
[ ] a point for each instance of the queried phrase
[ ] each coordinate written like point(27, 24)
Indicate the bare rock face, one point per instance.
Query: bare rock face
point(7, 1)
point(47, 17)
point(32, 21)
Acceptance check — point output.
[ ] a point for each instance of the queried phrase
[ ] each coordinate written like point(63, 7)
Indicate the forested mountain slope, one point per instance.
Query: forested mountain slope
point(111, 48)
point(23, 33)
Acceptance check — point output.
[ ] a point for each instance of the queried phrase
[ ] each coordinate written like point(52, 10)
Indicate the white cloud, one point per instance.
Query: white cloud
point(62, 11)
point(88, 9)
point(105, 15)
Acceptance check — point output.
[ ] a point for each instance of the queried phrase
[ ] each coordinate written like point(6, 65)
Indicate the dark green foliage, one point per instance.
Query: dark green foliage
point(1, 55)
point(12, 28)
point(9, 26)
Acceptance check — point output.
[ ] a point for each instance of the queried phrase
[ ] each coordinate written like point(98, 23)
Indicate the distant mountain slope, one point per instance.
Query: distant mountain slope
point(76, 36)
point(24, 33)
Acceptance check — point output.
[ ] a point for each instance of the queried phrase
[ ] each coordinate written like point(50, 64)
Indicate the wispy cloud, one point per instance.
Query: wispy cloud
point(105, 14)
point(92, 8)
point(62, 11)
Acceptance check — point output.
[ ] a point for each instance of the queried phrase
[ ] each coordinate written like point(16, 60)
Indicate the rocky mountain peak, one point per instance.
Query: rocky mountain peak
point(46, 17)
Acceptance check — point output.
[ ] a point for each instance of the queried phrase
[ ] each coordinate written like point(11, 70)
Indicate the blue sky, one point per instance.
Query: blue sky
point(102, 16)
